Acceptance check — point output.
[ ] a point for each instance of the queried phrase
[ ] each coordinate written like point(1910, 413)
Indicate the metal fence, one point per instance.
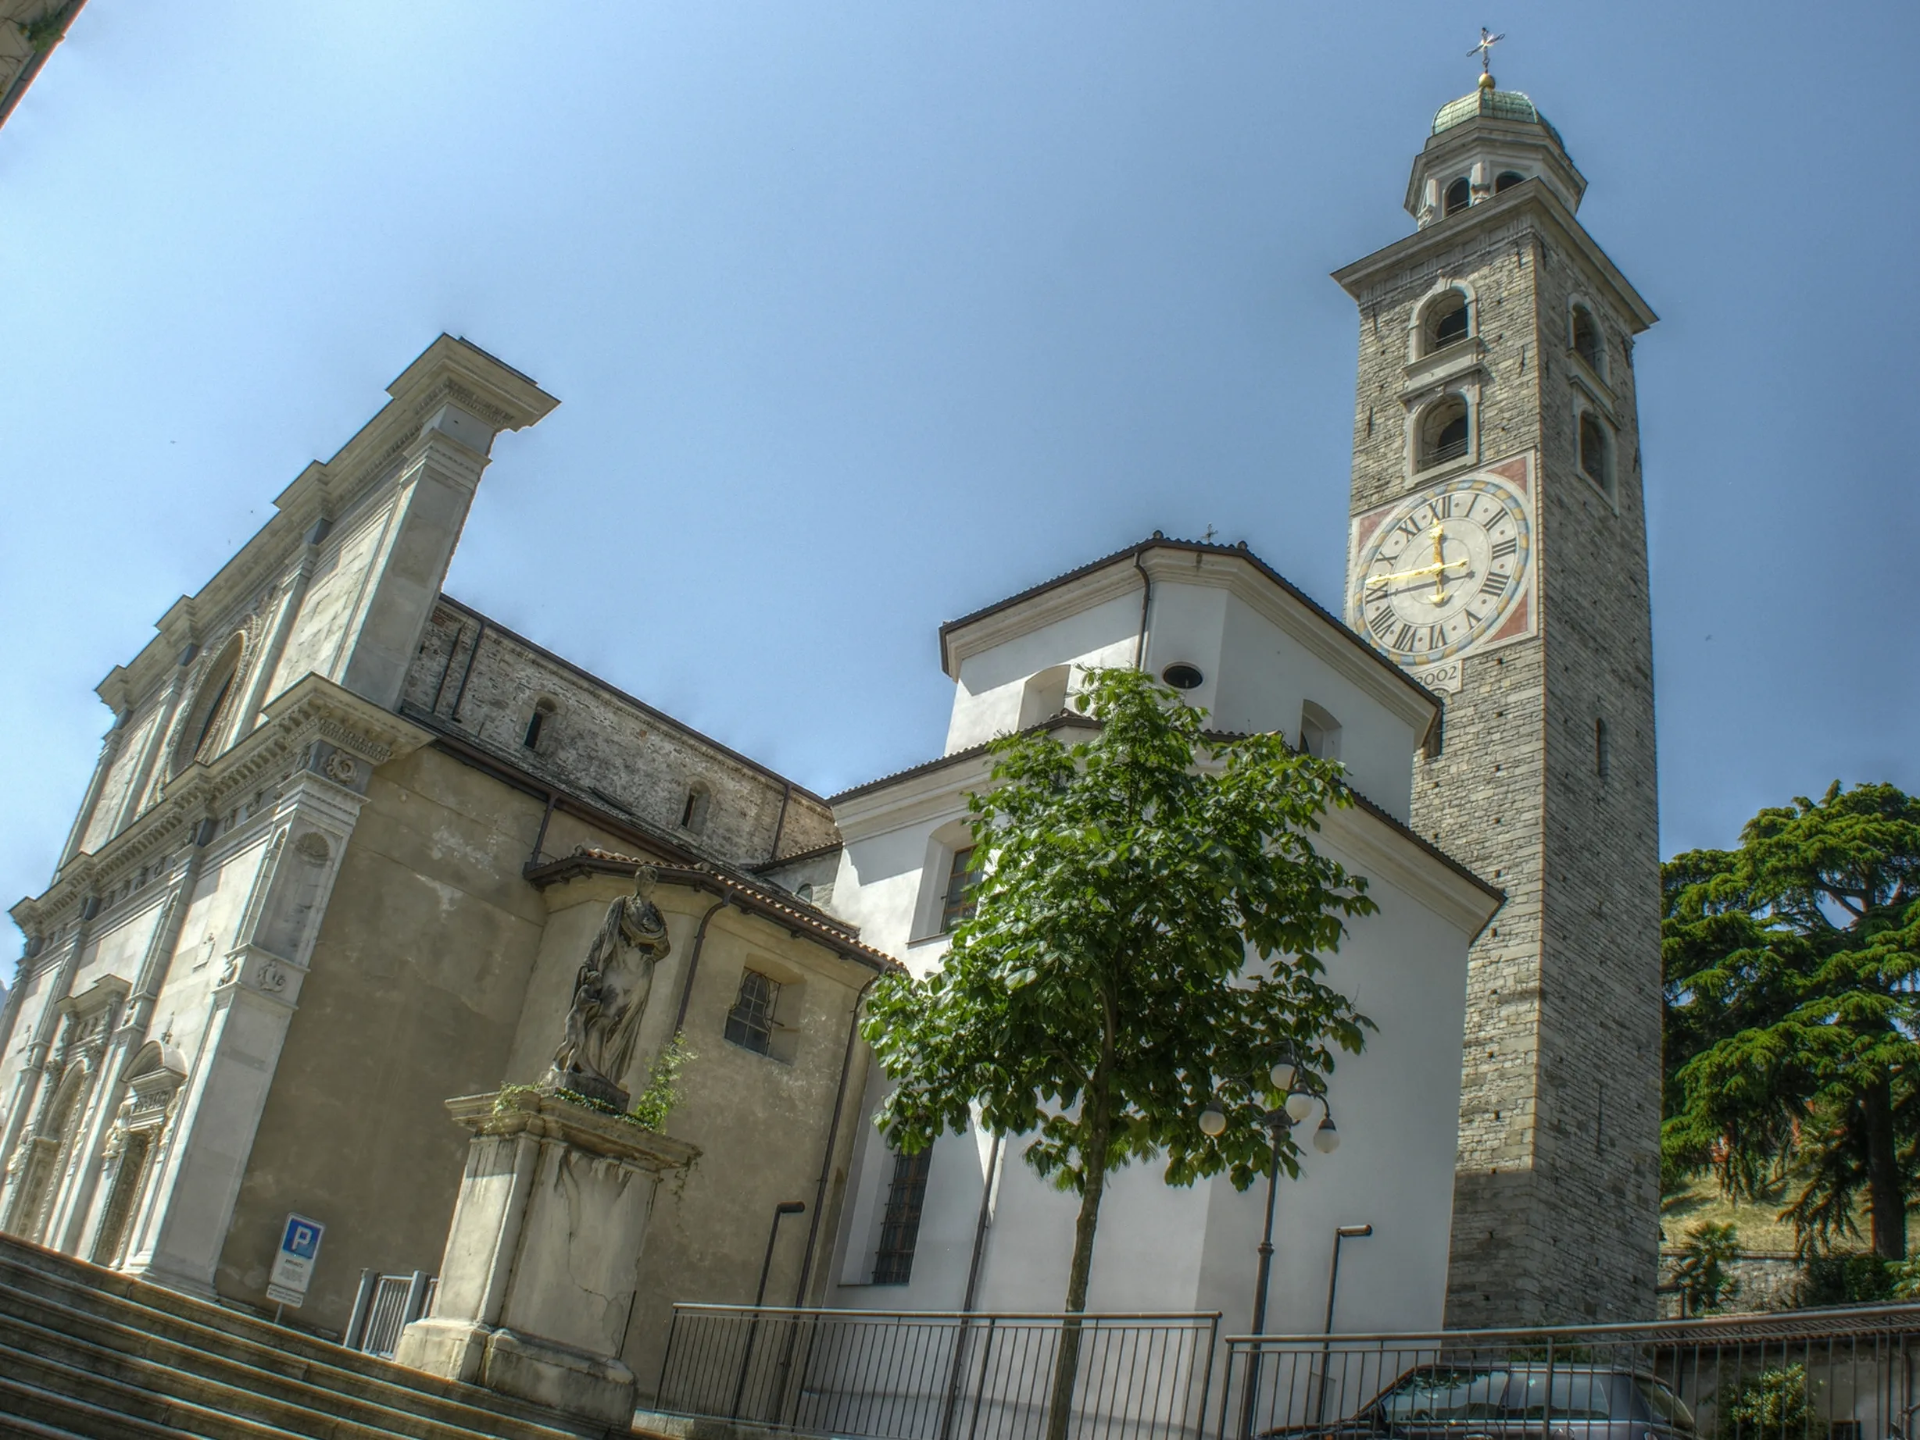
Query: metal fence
point(917, 1375)
point(1807, 1375)
point(385, 1305)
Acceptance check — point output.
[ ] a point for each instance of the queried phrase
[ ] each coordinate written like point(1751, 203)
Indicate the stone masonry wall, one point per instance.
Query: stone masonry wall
point(480, 682)
point(1546, 1226)
point(1601, 1037)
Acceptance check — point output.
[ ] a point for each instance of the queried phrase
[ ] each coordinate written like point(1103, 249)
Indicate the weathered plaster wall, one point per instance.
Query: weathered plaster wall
point(441, 971)
point(418, 978)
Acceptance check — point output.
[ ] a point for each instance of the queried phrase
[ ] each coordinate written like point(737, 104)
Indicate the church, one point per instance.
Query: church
point(348, 840)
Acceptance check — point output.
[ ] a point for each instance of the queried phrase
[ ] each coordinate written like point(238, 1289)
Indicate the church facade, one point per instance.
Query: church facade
point(349, 839)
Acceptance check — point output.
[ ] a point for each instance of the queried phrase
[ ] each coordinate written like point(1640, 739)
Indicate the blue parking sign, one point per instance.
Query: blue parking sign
point(302, 1237)
point(293, 1266)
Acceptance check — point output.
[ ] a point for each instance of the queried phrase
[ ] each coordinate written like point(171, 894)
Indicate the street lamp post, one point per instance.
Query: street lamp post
point(780, 1212)
point(1341, 1232)
point(1298, 1105)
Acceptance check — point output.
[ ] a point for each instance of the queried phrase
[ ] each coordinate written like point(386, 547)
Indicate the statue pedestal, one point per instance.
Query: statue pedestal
point(541, 1260)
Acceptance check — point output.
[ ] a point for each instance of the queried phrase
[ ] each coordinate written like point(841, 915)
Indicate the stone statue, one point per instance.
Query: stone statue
point(610, 996)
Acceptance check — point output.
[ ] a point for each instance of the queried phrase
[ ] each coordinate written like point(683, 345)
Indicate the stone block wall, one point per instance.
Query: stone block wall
point(482, 683)
point(1555, 1207)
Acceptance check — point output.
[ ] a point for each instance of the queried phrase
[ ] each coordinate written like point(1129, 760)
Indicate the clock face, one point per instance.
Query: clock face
point(1443, 570)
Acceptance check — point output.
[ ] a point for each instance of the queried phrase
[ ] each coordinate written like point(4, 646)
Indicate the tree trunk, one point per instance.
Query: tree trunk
point(1066, 1365)
point(1886, 1194)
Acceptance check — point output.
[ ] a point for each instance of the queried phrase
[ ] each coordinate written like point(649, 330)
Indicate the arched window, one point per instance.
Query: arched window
point(1586, 340)
point(1507, 179)
point(538, 724)
point(1319, 732)
point(213, 701)
point(1593, 451)
point(1444, 431)
point(1044, 697)
point(1447, 321)
point(1459, 196)
point(693, 813)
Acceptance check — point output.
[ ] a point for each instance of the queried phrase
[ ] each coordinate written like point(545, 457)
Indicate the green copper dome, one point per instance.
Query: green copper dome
point(1496, 105)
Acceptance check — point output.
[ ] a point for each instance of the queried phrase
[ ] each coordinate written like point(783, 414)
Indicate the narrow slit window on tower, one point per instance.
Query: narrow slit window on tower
point(900, 1221)
point(1593, 452)
point(750, 1022)
point(1459, 196)
point(1586, 339)
point(962, 876)
point(1444, 432)
point(693, 812)
point(537, 725)
point(1602, 749)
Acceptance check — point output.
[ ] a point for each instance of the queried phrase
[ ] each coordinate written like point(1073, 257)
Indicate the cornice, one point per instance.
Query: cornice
point(1531, 200)
point(1193, 562)
point(1384, 850)
point(449, 371)
point(312, 710)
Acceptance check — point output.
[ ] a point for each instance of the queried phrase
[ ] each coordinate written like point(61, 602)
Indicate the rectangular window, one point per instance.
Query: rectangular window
point(962, 876)
point(900, 1225)
point(750, 1022)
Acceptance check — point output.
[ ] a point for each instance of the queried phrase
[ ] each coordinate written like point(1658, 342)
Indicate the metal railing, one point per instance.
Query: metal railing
point(385, 1305)
point(922, 1375)
point(1805, 1375)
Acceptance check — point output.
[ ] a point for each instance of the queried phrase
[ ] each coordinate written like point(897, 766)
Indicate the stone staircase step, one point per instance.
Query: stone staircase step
point(150, 1357)
point(57, 1394)
point(201, 1325)
point(87, 1345)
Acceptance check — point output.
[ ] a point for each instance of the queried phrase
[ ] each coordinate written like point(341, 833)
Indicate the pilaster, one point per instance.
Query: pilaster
point(253, 1003)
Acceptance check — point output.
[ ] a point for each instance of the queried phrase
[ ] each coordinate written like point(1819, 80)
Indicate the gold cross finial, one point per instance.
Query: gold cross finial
point(1485, 51)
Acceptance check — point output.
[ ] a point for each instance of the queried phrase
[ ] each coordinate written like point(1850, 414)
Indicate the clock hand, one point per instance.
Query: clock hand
point(1420, 574)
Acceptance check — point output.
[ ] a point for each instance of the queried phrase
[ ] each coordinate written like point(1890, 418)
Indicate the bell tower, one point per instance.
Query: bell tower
point(1498, 552)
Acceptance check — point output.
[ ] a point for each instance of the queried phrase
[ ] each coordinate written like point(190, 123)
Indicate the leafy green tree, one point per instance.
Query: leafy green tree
point(1793, 1021)
point(1101, 994)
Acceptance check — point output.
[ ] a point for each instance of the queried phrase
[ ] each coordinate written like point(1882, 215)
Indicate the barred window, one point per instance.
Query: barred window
point(900, 1223)
point(962, 876)
point(750, 1023)
point(1586, 340)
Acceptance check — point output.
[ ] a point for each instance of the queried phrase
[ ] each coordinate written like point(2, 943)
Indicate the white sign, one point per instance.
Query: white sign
point(293, 1266)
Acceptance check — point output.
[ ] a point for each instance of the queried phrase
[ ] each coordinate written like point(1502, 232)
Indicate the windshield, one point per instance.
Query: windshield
point(1576, 1395)
point(1664, 1403)
point(1443, 1394)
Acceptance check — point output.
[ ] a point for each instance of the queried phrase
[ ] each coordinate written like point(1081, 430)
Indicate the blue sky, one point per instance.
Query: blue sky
point(865, 314)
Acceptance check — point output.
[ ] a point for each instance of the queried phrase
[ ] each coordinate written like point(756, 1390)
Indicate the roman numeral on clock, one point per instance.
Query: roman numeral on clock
point(1495, 584)
point(1382, 621)
point(1505, 548)
point(1404, 640)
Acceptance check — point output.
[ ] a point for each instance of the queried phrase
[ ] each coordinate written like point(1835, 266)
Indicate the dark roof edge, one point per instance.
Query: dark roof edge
point(1193, 547)
point(1532, 193)
point(795, 917)
point(1067, 718)
point(761, 867)
point(1061, 721)
point(633, 700)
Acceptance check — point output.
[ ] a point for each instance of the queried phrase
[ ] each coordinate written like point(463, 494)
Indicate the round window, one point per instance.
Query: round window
point(1182, 676)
